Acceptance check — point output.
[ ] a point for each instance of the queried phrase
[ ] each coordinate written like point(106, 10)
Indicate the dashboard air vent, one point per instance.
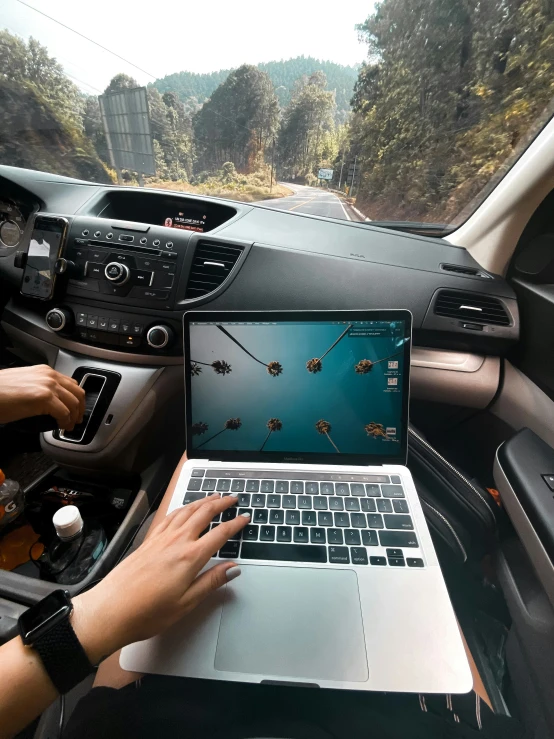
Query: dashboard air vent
point(461, 269)
point(469, 306)
point(211, 266)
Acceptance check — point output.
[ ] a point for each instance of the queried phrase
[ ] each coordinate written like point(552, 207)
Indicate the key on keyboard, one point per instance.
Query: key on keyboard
point(320, 520)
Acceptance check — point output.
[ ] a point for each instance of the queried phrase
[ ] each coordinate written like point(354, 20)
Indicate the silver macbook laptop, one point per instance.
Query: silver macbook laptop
point(304, 415)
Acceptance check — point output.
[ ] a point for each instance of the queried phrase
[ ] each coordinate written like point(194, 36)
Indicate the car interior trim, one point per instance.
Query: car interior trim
point(528, 536)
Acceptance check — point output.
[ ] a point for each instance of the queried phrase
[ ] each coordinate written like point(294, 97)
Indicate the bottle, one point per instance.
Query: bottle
point(11, 501)
point(75, 551)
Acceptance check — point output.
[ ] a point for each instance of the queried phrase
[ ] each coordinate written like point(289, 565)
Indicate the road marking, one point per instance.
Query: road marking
point(344, 209)
point(303, 203)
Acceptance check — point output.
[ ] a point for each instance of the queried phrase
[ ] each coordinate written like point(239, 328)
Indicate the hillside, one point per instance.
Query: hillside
point(193, 89)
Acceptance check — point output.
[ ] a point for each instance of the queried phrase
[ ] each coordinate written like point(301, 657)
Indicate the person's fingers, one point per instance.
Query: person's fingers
point(213, 540)
point(70, 402)
point(209, 581)
point(204, 514)
point(72, 386)
point(56, 408)
point(179, 516)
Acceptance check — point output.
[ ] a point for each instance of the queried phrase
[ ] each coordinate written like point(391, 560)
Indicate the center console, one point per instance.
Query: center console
point(123, 285)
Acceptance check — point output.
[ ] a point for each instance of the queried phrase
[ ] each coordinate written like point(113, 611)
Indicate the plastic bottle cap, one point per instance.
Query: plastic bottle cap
point(68, 522)
point(2, 477)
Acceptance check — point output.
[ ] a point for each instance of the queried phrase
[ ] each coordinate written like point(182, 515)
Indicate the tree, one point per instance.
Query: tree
point(449, 90)
point(238, 121)
point(303, 140)
point(42, 114)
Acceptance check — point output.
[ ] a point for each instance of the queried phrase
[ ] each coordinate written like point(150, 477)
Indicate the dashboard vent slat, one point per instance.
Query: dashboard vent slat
point(211, 266)
point(472, 307)
point(462, 269)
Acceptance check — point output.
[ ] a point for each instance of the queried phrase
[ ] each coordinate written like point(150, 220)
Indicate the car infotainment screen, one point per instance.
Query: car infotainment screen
point(186, 220)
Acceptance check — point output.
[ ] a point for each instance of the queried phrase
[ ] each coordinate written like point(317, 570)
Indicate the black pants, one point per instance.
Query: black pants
point(189, 709)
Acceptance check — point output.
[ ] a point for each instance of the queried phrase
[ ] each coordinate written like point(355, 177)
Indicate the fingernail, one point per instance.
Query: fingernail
point(232, 573)
point(245, 515)
point(236, 497)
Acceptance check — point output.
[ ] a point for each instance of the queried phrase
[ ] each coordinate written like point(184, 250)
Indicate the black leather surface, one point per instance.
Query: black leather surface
point(524, 459)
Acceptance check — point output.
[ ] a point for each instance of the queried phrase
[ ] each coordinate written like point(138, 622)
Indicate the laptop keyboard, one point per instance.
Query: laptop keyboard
point(322, 518)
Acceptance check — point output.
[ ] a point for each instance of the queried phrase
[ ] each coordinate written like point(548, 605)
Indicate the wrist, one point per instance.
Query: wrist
point(96, 626)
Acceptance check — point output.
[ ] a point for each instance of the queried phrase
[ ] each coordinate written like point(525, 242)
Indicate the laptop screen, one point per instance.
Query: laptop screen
point(307, 387)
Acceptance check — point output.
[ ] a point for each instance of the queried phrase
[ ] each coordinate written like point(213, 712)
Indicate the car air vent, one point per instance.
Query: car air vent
point(210, 268)
point(460, 269)
point(474, 307)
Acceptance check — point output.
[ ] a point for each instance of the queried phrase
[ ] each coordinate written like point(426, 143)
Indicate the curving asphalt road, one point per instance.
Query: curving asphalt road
point(314, 201)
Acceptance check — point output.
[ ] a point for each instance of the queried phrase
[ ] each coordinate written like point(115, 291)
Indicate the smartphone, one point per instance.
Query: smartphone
point(47, 241)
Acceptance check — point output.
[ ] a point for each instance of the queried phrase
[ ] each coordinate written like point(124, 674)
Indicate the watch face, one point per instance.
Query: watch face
point(40, 618)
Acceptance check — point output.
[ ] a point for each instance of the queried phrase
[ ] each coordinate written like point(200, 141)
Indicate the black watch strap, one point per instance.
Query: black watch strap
point(63, 656)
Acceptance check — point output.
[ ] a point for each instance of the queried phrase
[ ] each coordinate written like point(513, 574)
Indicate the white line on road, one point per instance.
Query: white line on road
point(344, 209)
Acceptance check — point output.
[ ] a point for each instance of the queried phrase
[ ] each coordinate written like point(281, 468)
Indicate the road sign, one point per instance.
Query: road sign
point(126, 122)
point(325, 174)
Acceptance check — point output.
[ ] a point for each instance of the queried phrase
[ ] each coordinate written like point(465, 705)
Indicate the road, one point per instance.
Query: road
point(314, 201)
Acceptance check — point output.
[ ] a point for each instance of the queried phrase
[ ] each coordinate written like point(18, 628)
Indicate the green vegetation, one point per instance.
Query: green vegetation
point(41, 114)
point(194, 89)
point(451, 91)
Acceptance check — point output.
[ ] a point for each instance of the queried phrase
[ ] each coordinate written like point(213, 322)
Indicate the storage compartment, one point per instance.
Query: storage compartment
point(119, 503)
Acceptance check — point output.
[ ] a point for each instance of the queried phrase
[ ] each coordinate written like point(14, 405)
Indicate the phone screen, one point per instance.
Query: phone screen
point(44, 249)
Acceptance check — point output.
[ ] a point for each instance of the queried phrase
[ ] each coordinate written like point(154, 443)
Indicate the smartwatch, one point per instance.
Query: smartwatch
point(46, 628)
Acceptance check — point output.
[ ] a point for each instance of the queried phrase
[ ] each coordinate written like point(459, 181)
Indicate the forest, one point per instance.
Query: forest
point(450, 93)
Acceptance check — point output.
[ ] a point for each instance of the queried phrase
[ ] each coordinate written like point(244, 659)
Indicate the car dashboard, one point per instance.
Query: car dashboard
point(134, 260)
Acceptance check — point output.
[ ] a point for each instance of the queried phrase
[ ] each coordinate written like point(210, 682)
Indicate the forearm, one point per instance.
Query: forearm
point(26, 688)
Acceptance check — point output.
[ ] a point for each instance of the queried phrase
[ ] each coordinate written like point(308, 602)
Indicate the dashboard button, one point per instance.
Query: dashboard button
point(147, 293)
point(113, 325)
point(124, 327)
point(97, 255)
point(79, 254)
point(169, 244)
point(148, 264)
point(85, 232)
point(109, 236)
point(156, 242)
point(123, 258)
point(97, 234)
point(169, 254)
point(80, 242)
point(141, 277)
point(129, 340)
point(103, 323)
point(166, 266)
point(126, 237)
point(137, 329)
point(92, 285)
point(81, 319)
point(82, 333)
point(117, 291)
point(144, 240)
point(95, 270)
point(162, 279)
point(92, 322)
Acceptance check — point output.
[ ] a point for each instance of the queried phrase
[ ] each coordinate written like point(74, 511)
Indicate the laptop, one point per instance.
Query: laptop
point(304, 416)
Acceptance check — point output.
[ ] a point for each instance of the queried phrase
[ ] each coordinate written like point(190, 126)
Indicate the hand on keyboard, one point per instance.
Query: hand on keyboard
point(359, 519)
point(158, 583)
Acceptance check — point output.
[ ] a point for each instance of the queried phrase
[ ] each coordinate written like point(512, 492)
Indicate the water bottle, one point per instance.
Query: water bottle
point(11, 500)
point(77, 548)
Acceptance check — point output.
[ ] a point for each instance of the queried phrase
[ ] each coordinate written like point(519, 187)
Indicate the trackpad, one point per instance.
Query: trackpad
point(293, 622)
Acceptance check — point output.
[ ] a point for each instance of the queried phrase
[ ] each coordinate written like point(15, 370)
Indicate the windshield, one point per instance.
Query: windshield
point(403, 110)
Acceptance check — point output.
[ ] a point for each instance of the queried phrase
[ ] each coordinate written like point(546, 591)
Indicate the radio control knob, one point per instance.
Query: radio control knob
point(59, 319)
point(117, 273)
point(160, 337)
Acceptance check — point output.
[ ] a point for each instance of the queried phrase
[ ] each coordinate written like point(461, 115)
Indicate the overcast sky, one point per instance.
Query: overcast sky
point(176, 35)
